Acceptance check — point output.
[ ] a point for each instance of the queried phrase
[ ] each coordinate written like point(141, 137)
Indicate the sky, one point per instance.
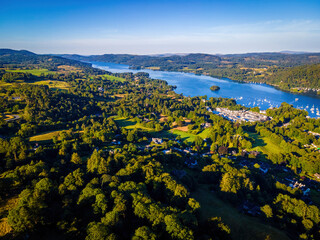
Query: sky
point(156, 27)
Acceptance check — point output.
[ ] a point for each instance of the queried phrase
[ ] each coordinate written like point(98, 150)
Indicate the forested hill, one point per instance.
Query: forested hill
point(306, 75)
point(286, 71)
point(12, 58)
point(206, 61)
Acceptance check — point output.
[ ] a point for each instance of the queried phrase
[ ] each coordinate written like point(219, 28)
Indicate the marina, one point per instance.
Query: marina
point(241, 115)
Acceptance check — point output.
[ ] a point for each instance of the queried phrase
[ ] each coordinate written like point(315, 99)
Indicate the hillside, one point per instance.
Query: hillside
point(86, 154)
point(280, 69)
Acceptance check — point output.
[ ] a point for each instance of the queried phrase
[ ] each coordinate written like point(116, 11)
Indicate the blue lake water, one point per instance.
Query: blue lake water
point(247, 94)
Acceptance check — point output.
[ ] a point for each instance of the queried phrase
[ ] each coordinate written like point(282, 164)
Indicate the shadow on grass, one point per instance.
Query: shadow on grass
point(167, 134)
point(258, 141)
point(125, 122)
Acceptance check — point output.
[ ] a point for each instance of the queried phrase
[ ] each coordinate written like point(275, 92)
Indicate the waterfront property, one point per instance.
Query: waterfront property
point(241, 115)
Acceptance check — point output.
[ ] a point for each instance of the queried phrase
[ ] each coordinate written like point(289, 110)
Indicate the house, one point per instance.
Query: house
point(100, 89)
point(306, 192)
point(186, 151)
point(317, 175)
point(206, 125)
point(264, 170)
point(35, 146)
point(179, 173)
point(166, 151)
point(251, 208)
point(255, 153)
point(157, 140)
point(115, 142)
point(191, 163)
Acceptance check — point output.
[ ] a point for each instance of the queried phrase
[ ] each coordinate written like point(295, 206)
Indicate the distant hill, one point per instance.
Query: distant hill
point(5, 51)
point(15, 58)
point(293, 52)
point(208, 61)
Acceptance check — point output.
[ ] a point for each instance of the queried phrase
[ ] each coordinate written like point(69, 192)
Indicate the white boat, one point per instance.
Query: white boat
point(312, 109)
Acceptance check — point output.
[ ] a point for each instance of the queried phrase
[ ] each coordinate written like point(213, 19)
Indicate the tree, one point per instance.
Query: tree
point(217, 228)
point(230, 183)
point(198, 142)
point(75, 158)
point(97, 231)
point(222, 150)
point(176, 229)
point(267, 210)
point(308, 224)
point(28, 214)
point(144, 233)
point(130, 137)
point(96, 163)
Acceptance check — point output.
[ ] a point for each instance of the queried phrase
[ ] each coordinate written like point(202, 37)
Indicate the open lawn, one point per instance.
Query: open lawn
point(3, 84)
point(184, 135)
point(67, 68)
point(190, 137)
point(112, 78)
point(243, 227)
point(53, 84)
point(173, 133)
point(264, 144)
point(47, 136)
point(130, 124)
point(153, 68)
point(36, 72)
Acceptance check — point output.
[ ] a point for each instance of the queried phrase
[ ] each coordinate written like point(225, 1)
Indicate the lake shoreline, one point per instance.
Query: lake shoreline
point(248, 94)
point(307, 94)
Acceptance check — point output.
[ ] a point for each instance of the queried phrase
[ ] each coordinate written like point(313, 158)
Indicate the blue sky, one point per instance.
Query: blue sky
point(151, 27)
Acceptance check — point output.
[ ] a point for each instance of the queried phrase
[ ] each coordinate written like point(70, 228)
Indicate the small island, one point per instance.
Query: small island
point(214, 88)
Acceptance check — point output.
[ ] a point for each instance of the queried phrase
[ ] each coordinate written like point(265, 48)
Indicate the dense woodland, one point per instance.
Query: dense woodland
point(292, 72)
point(113, 166)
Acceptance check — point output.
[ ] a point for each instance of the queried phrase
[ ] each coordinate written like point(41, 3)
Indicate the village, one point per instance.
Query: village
point(193, 159)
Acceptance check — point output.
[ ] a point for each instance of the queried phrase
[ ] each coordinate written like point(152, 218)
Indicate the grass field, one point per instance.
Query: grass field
point(36, 72)
point(47, 136)
point(112, 78)
point(173, 133)
point(53, 84)
point(131, 124)
point(153, 68)
point(243, 227)
point(264, 144)
point(3, 84)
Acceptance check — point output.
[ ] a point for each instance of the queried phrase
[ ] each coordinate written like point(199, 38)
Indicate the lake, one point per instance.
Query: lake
point(247, 94)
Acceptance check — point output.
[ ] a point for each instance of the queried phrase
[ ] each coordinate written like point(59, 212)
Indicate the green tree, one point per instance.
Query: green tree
point(96, 163)
point(144, 233)
point(267, 210)
point(75, 158)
